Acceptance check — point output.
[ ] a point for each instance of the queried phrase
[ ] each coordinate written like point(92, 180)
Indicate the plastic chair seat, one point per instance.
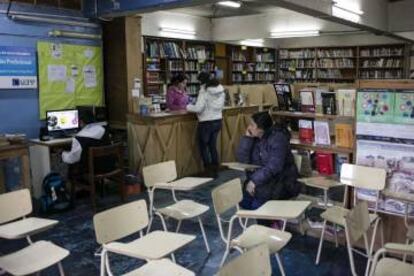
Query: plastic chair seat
point(337, 215)
point(184, 209)
point(160, 268)
point(33, 258)
point(257, 234)
point(393, 267)
point(25, 227)
point(152, 246)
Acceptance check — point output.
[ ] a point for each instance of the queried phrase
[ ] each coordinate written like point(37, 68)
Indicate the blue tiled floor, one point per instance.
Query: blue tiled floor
point(75, 232)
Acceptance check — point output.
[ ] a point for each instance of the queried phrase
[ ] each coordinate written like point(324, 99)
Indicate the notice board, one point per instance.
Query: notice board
point(69, 75)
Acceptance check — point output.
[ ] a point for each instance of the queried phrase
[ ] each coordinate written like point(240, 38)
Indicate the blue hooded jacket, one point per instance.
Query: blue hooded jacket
point(277, 176)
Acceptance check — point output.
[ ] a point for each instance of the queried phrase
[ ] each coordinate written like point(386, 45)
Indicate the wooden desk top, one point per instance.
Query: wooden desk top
point(240, 166)
point(183, 184)
point(52, 142)
point(320, 182)
point(277, 209)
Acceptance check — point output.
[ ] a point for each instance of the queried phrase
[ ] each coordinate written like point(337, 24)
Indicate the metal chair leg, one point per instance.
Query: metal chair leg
point(318, 255)
point(223, 259)
point(61, 272)
point(204, 235)
point(350, 253)
point(279, 262)
point(178, 226)
point(103, 260)
point(336, 236)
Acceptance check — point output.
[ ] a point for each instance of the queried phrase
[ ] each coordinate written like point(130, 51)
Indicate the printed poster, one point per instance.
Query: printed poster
point(375, 106)
point(18, 67)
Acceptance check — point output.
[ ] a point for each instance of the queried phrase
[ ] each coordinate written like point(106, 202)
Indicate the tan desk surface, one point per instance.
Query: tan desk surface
point(277, 209)
point(320, 182)
point(52, 142)
point(240, 166)
point(183, 184)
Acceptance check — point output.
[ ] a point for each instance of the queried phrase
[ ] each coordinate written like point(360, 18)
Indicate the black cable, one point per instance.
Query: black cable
point(8, 8)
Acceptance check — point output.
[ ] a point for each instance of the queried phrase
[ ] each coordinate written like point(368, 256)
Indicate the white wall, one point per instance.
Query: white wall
point(401, 16)
point(151, 22)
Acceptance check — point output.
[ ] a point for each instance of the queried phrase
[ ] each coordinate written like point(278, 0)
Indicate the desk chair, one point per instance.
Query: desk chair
point(358, 177)
point(226, 197)
point(131, 218)
point(113, 154)
point(180, 210)
point(254, 262)
point(15, 206)
point(407, 199)
point(391, 266)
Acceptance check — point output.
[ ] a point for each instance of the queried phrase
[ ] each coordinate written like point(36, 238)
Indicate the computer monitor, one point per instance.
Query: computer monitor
point(61, 120)
point(98, 112)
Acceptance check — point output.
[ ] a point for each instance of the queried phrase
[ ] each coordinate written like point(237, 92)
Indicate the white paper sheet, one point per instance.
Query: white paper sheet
point(89, 74)
point(56, 72)
point(70, 85)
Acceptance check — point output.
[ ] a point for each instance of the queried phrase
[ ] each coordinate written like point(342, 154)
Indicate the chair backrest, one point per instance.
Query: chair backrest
point(14, 205)
point(227, 195)
point(363, 177)
point(121, 221)
point(159, 173)
point(255, 262)
point(100, 156)
point(357, 221)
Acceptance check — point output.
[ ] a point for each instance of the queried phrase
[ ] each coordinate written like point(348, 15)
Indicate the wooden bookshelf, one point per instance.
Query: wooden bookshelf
point(296, 144)
point(164, 57)
point(343, 64)
point(309, 115)
point(251, 64)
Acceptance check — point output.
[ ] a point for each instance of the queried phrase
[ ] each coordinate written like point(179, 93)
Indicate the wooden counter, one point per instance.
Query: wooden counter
point(172, 136)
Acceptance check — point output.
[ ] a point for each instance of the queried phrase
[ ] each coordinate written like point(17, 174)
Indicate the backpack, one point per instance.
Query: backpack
point(54, 198)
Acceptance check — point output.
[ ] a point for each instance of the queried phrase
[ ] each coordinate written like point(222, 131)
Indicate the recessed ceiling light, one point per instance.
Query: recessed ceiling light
point(231, 4)
point(288, 34)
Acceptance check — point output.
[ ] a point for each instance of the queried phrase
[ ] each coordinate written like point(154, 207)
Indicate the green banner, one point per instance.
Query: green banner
point(69, 75)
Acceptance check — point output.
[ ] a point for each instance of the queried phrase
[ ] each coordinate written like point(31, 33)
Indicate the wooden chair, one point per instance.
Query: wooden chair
point(254, 262)
point(180, 210)
point(358, 177)
point(226, 197)
point(15, 206)
point(391, 266)
point(93, 176)
point(131, 218)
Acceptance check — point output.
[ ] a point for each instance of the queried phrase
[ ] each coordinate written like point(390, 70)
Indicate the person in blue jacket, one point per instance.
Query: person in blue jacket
point(267, 145)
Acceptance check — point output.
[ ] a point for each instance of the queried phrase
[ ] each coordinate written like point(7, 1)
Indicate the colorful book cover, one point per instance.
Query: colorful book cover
point(375, 106)
point(343, 135)
point(404, 108)
point(346, 102)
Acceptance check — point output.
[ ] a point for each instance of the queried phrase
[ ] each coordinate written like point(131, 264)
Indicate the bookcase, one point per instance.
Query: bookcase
point(164, 57)
point(343, 64)
point(251, 64)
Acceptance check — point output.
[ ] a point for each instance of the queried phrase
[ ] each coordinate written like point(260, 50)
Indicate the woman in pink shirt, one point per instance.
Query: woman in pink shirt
point(177, 98)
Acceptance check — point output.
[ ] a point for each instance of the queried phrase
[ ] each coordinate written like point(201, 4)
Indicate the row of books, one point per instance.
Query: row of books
point(264, 76)
point(153, 77)
point(330, 74)
point(200, 53)
point(175, 65)
point(297, 63)
point(238, 56)
point(265, 67)
point(382, 63)
point(381, 74)
point(318, 133)
point(337, 53)
point(335, 63)
point(265, 57)
point(192, 78)
point(383, 51)
point(297, 54)
point(298, 74)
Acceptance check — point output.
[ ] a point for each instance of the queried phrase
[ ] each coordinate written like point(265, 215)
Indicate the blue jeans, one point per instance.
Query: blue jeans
point(207, 133)
point(252, 203)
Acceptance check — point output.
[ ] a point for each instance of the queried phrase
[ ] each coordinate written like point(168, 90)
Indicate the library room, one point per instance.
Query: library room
point(207, 137)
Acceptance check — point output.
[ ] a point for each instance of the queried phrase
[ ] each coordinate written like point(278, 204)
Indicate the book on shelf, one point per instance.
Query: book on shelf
point(344, 135)
point(322, 136)
point(324, 163)
point(306, 134)
point(284, 95)
point(346, 102)
point(307, 100)
point(339, 160)
point(328, 103)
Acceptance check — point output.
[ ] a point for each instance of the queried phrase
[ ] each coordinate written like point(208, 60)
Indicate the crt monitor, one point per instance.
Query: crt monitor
point(61, 120)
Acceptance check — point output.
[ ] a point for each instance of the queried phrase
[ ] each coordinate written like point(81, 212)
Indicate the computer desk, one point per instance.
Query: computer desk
point(40, 160)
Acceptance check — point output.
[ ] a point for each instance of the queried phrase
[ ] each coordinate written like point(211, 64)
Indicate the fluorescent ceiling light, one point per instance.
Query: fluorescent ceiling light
point(178, 33)
point(53, 21)
point(344, 5)
point(289, 34)
point(59, 33)
point(344, 14)
point(252, 42)
point(231, 4)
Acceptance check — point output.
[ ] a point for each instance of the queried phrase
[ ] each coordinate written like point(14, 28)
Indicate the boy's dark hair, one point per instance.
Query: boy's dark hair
point(206, 79)
point(263, 120)
point(86, 116)
point(176, 79)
